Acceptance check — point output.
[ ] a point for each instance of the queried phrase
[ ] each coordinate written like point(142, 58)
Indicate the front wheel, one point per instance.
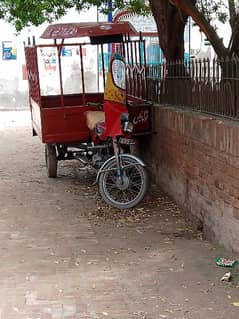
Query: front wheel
point(51, 160)
point(125, 191)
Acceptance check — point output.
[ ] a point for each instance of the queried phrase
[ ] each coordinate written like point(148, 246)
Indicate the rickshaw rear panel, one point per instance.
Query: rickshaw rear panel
point(140, 113)
point(64, 125)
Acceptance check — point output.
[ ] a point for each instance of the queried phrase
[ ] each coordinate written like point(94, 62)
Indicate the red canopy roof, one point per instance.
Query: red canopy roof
point(87, 29)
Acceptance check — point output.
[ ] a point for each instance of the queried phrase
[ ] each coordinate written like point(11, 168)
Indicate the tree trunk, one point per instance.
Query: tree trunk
point(170, 23)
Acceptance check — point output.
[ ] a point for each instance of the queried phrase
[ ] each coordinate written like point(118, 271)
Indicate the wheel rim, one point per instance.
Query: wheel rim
point(132, 183)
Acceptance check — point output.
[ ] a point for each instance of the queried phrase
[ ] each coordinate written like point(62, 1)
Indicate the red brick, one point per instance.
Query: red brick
point(203, 151)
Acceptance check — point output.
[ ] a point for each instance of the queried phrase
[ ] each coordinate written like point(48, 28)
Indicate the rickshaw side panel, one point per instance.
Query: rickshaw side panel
point(36, 118)
point(34, 88)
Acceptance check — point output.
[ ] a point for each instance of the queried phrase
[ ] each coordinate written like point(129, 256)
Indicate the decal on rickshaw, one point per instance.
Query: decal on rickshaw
point(115, 83)
point(142, 117)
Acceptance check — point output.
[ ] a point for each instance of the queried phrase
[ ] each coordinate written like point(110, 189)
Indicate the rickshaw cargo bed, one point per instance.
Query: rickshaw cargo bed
point(60, 124)
point(56, 124)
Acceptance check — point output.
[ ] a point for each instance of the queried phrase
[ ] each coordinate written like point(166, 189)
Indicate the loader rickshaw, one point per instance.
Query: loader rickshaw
point(95, 128)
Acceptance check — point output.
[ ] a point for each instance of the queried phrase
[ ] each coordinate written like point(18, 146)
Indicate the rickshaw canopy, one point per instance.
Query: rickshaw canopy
point(88, 29)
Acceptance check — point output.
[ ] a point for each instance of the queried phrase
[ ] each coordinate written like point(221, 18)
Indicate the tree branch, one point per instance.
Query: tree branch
point(232, 11)
point(190, 9)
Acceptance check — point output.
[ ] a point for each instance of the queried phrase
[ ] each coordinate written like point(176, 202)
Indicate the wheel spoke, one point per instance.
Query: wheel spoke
point(112, 186)
point(135, 185)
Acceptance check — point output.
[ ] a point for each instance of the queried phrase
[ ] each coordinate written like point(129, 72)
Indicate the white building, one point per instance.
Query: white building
point(13, 83)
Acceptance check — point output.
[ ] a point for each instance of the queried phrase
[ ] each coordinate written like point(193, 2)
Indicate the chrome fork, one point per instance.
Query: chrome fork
point(116, 148)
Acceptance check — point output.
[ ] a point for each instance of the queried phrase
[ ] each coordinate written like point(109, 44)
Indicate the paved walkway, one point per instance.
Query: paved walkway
point(65, 254)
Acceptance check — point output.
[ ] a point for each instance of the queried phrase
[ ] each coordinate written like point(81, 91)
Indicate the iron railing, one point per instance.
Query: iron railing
point(201, 85)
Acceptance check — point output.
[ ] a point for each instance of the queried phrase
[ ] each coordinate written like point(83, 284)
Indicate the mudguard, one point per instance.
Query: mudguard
point(101, 170)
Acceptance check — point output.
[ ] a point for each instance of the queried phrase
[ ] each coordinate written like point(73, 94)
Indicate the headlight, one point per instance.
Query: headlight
point(126, 125)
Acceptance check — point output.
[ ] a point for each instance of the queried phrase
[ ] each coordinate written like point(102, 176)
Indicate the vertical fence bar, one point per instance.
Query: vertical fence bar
point(211, 86)
point(131, 52)
point(145, 95)
point(123, 49)
point(236, 87)
point(127, 50)
point(135, 52)
point(215, 61)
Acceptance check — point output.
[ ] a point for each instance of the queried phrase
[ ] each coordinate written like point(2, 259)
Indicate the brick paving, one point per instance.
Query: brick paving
point(58, 263)
point(49, 251)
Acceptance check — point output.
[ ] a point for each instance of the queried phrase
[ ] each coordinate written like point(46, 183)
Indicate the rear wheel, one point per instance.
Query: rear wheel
point(51, 160)
point(127, 191)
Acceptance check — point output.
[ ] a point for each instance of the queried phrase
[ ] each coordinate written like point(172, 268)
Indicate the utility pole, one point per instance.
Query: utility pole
point(110, 14)
point(189, 37)
point(110, 19)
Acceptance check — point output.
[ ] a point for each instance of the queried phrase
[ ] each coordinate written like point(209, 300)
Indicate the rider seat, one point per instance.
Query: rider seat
point(95, 120)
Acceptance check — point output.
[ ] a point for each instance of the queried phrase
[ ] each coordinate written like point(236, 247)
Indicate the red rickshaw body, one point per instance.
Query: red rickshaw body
point(62, 125)
point(60, 118)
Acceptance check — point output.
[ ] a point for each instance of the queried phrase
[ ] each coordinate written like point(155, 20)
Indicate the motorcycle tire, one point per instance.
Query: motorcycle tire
point(133, 189)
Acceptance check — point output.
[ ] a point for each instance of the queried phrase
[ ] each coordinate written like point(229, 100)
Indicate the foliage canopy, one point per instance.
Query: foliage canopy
point(170, 15)
point(22, 13)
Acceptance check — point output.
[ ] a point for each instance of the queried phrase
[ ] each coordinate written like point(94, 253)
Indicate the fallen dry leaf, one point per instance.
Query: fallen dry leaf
point(236, 304)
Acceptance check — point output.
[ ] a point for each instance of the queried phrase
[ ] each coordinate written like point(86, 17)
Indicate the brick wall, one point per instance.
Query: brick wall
point(195, 159)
